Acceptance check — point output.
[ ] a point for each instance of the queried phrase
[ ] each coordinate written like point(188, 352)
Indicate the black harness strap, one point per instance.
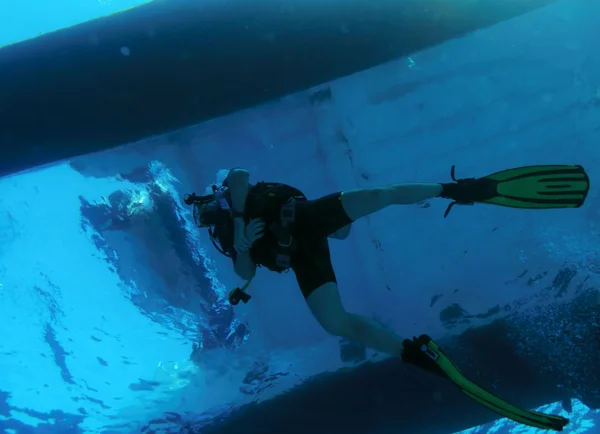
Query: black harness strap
point(283, 234)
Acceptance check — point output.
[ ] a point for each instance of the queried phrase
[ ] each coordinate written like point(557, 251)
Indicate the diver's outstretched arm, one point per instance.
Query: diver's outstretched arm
point(244, 266)
point(237, 182)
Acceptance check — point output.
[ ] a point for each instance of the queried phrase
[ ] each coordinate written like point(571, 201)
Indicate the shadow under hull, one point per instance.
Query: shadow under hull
point(388, 396)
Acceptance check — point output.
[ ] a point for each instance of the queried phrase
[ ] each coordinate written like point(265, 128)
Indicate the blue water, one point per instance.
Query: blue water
point(114, 303)
point(25, 19)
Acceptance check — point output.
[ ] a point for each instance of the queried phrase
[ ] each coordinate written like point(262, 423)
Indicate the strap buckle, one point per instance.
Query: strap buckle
point(430, 353)
point(287, 243)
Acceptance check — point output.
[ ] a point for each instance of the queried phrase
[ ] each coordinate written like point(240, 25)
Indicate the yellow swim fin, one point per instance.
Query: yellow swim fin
point(425, 353)
point(529, 187)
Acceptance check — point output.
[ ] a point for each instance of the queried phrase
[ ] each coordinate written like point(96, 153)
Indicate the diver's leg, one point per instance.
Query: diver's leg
point(326, 306)
point(316, 278)
point(361, 203)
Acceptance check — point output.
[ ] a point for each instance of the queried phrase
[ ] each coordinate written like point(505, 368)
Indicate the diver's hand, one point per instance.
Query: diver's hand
point(255, 230)
point(240, 242)
point(245, 236)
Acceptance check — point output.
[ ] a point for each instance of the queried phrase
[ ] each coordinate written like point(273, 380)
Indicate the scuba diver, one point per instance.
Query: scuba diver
point(276, 226)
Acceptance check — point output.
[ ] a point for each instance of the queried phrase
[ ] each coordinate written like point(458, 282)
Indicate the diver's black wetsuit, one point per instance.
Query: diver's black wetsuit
point(314, 221)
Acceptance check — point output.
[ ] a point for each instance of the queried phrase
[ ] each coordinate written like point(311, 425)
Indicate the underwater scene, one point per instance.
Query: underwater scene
point(123, 312)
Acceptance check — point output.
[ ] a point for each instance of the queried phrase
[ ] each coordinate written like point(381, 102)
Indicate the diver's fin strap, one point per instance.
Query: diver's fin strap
point(459, 182)
point(456, 203)
point(486, 398)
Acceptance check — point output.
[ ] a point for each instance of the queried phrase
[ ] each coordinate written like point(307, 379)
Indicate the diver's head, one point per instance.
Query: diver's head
point(211, 214)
